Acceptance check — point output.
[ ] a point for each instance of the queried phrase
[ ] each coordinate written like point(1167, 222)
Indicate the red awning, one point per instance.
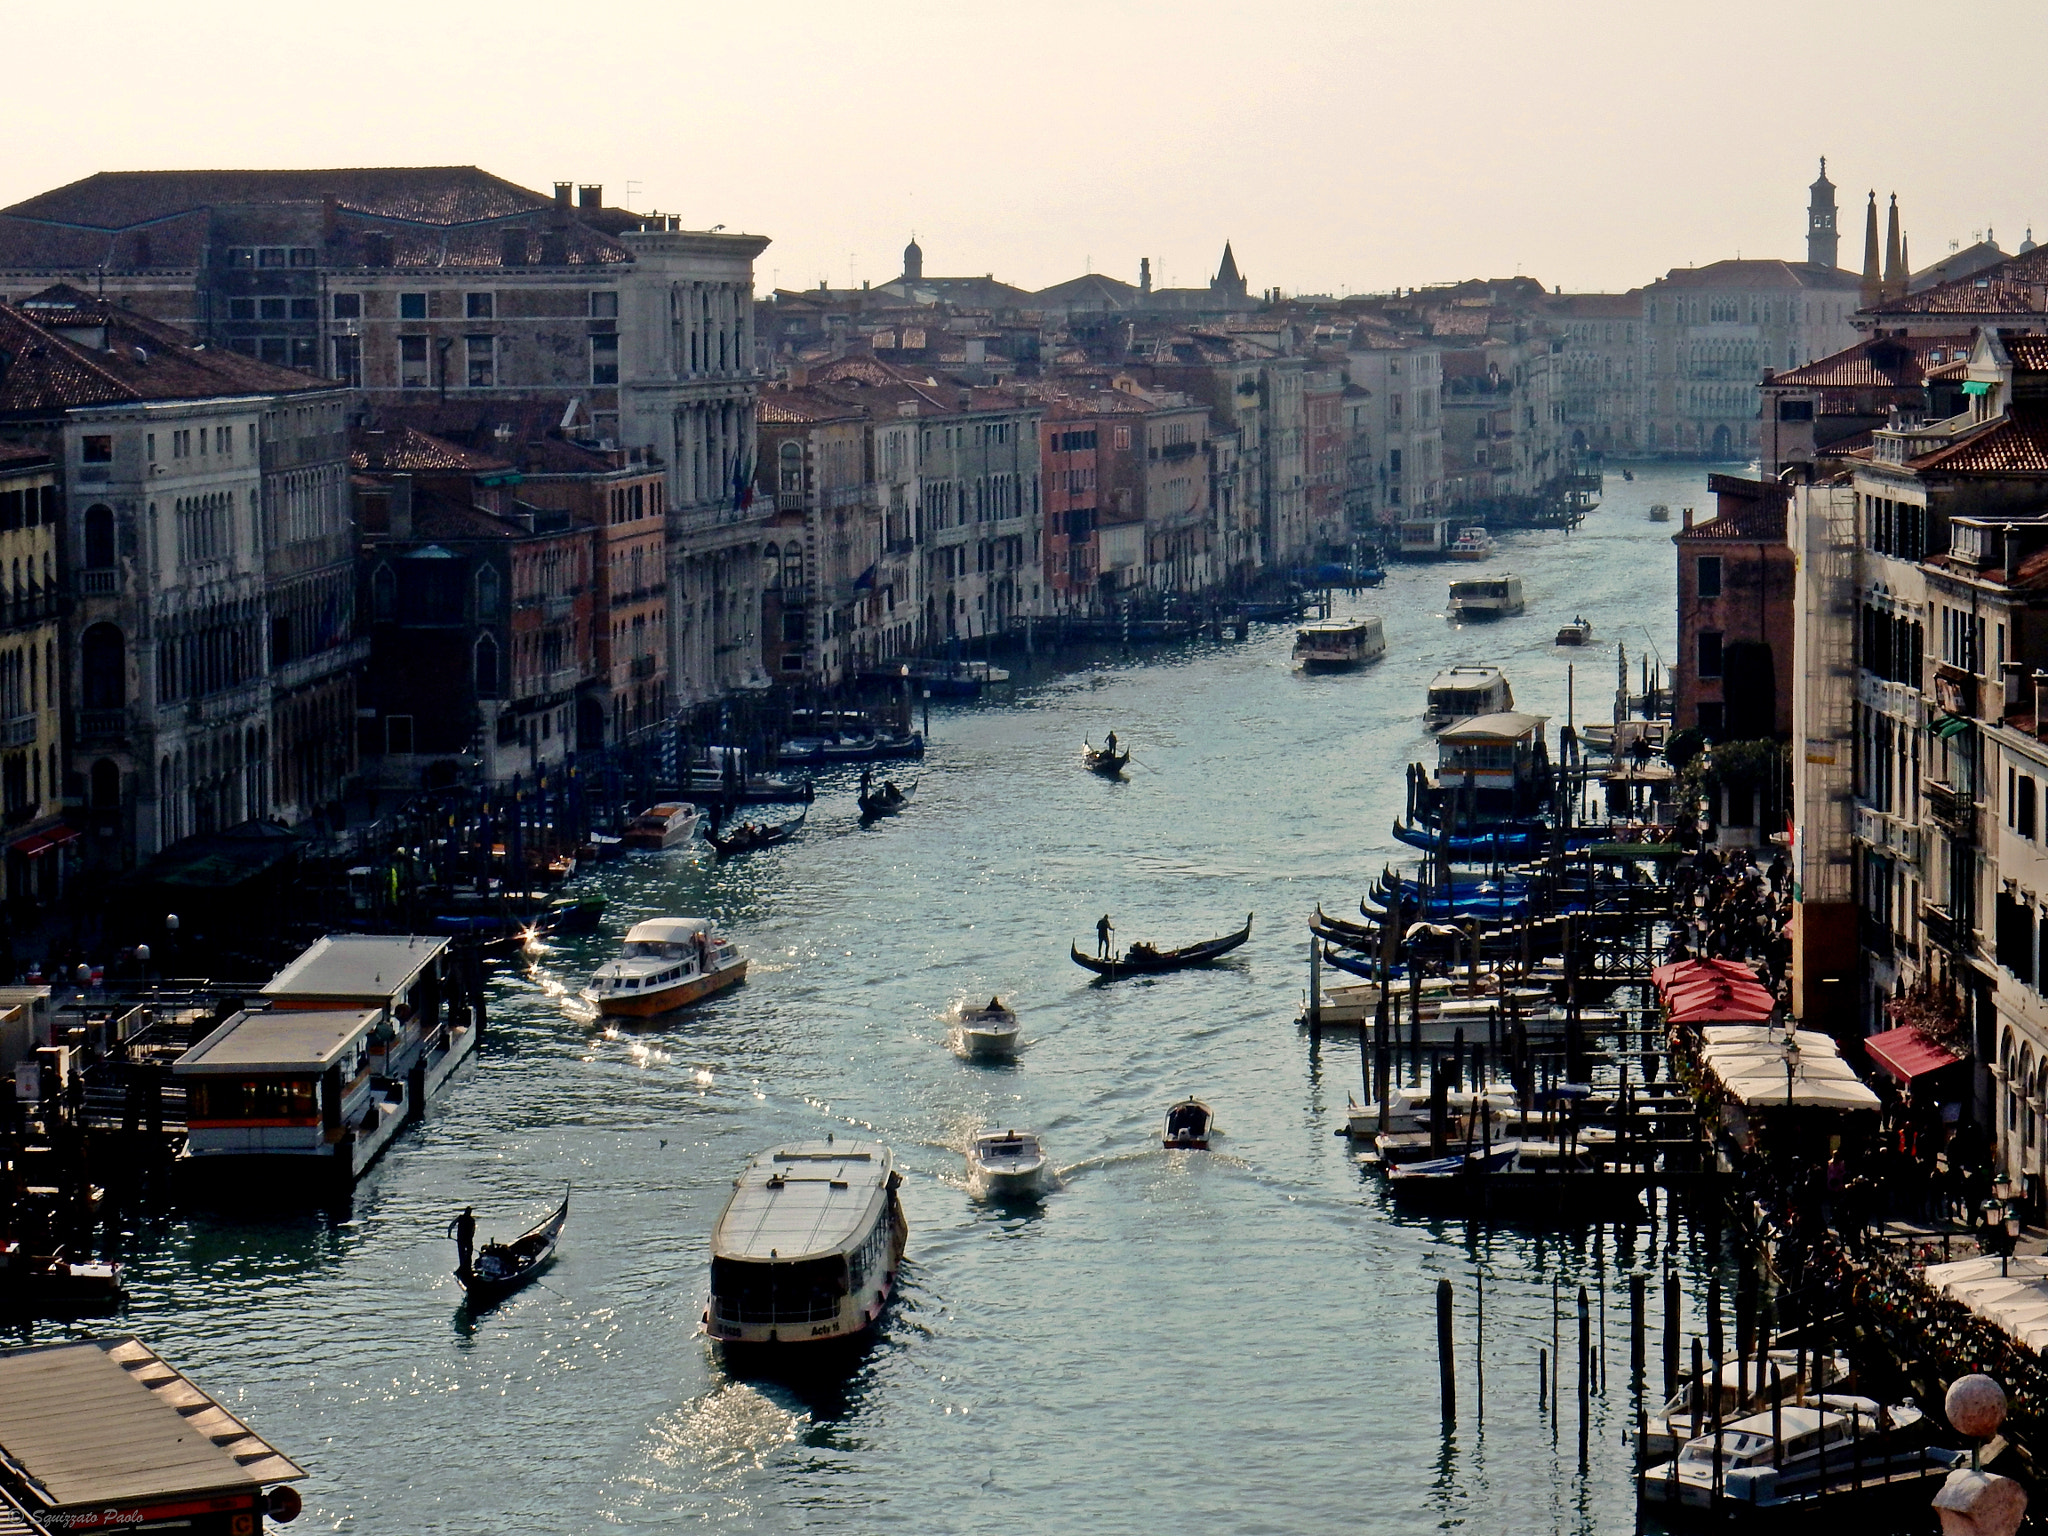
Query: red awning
point(1713, 992)
point(1906, 1053)
point(36, 844)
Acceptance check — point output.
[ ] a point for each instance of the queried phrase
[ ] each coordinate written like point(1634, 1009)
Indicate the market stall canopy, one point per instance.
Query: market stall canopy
point(1757, 1070)
point(1712, 992)
point(1906, 1053)
point(2016, 1303)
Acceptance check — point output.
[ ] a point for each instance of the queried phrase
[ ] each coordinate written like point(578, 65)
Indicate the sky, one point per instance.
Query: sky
point(1341, 145)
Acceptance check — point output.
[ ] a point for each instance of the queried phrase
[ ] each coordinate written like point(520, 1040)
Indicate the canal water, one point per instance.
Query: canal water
point(1241, 1341)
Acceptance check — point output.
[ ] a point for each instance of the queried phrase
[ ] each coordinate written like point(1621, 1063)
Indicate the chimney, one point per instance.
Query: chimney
point(562, 191)
point(1688, 517)
point(590, 195)
point(1145, 275)
point(2014, 675)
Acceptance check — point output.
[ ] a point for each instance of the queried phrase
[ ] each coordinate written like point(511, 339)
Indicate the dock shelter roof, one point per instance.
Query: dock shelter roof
point(1507, 725)
point(350, 967)
point(106, 1422)
point(258, 1044)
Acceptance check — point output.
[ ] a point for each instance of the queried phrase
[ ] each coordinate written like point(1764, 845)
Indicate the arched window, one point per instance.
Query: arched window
point(771, 567)
point(103, 667)
point(99, 536)
point(487, 594)
point(486, 666)
point(2022, 1086)
point(106, 785)
point(791, 458)
point(793, 569)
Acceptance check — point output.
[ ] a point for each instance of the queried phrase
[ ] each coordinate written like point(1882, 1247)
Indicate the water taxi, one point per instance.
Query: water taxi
point(1577, 632)
point(664, 964)
point(1006, 1165)
point(1472, 544)
point(670, 824)
point(807, 1248)
point(1659, 513)
point(1460, 692)
point(989, 1031)
point(1188, 1125)
point(1331, 643)
point(1497, 595)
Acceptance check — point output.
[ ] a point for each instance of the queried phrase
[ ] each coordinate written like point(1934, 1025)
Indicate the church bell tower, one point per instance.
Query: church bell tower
point(1821, 236)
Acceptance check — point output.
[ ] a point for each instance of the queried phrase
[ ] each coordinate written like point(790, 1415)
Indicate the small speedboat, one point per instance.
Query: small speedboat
point(989, 1031)
point(1006, 1164)
point(666, 963)
point(1801, 1454)
point(1741, 1392)
point(1660, 513)
point(670, 824)
point(1577, 632)
point(1187, 1125)
point(501, 1268)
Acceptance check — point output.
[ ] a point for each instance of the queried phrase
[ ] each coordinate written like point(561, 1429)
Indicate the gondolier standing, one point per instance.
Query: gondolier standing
point(463, 1230)
point(1112, 744)
point(1103, 930)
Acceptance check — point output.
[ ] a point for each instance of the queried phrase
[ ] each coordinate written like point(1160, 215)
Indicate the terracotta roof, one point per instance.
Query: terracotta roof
point(443, 194)
point(1596, 306)
point(2016, 444)
point(1883, 362)
point(2029, 353)
point(1748, 510)
point(45, 371)
point(14, 461)
point(802, 407)
point(409, 450)
point(1757, 274)
point(1978, 295)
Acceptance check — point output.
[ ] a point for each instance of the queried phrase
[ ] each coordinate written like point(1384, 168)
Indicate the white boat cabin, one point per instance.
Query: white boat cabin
point(1496, 595)
point(1340, 642)
point(1502, 759)
point(1461, 692)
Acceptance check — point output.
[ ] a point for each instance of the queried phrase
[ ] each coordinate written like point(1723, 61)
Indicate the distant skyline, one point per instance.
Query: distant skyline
point(1341, 145)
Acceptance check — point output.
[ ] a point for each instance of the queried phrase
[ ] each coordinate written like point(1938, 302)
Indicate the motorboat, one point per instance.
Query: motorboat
point(1743, 1389)
point(1800, 1454)
point(1408, 1111)
point(1577, 632)
point(1331, 643)
point(989, 1031)
point(1462, 691)
point(659, 828)
point(1006, 1165)
point(1497, 595)
point(808, 1246)
point(666, 963)
point(1188, 1125)
point(1143, 959)
point(1472, 544)
point(1659, 513)
point(49, 1282)
point(499, 1269)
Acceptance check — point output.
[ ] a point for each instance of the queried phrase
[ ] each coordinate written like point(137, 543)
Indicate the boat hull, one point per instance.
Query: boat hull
point(998, 1183)
point(988, 1044)
point(755, 1343)
point(660, 1000)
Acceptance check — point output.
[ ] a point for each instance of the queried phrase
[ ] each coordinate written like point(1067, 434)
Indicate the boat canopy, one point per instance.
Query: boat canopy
point(808, 1200)
point(669, 930)
point(354, 968)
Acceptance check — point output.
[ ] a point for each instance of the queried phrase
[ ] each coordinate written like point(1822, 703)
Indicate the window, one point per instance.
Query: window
point(348, 360)
point(412, 306)
point(604, 304)
point(604, 359)
point(486, 666)
point(412, 362)
point(305, 309)
point(348, 306)
point(98, 450)
point(241, 309)
point(99, 536)
point(273, 309)
point(1393, 461)
point(477, 306)
point(1709, 584)
point(482, 358)
point(487, 594)
point(1710, 653)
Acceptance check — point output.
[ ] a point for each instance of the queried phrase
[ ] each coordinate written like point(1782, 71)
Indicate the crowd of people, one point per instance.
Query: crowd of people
point(1741, 911)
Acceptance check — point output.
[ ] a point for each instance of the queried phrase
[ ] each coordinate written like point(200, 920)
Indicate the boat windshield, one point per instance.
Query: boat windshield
point(1738, 1449)
point(806, 1291)
point(647, 950)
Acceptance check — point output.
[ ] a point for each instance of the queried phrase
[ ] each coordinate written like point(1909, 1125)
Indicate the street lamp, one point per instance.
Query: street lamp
point(2001, 1227)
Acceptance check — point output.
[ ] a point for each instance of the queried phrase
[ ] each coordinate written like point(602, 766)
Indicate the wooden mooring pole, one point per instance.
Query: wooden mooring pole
point(1446, 1381)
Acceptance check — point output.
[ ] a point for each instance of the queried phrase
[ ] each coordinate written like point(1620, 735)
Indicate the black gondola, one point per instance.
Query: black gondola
point(1105, 760)
point(748, 835)
point(499, 1269)
point(886, 801)
point(1144, 960)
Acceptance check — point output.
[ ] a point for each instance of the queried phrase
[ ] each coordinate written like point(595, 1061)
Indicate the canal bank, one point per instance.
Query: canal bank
point(1244, 1339)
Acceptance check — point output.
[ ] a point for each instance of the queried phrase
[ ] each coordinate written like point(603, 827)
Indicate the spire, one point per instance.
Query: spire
point(1227, 279)
point(913, 261)
point(1873, 283)
point(1894, 285)
point(2027, 244)
point(1905, 264)
point(1822, 239)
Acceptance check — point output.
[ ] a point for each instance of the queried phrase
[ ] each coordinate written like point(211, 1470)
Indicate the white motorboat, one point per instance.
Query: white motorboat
point(1496, 595)
point(1188, 1124)
point(1799, 1454)
point(1472, 544)
point(1332, 643)
point(1687, 1414)
point(1577, 632)
point(1006, 1164)
point(1659, 513)
point(666, 963)
point(808, 1246)
point(661, 827)
point(1468, 689)
point(989, 1031)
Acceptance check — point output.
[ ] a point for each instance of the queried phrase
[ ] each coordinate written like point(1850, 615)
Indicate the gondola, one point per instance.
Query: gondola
point(749, 835)
point(1338, 931)
point(1104, 761)
point(886, 801)
point(1144, 960)
point(1188, 1124)
point(573, 915)
point(499, 1269)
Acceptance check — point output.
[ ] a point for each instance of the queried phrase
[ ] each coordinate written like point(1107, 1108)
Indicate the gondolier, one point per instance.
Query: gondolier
point(1112, 743)
point(463, 1230)
point(1103, 930)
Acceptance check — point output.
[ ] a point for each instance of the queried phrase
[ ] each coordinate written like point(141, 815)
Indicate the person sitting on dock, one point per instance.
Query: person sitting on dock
point(1103, 930)
point(463, 1230)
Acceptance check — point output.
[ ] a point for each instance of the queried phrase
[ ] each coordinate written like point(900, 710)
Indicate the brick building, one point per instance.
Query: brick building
point(1733, 680)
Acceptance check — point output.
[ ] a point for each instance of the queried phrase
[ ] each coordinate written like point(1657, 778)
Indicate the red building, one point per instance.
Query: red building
point(1733, 680)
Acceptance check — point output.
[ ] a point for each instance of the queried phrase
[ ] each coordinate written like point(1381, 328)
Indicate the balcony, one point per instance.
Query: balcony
point(20, 731)
point(1874, 933)
point(563, 679)
point(1943, 931)
point(1951, 810)
point(1955, 691)
point(102, 724)
point(101, 583)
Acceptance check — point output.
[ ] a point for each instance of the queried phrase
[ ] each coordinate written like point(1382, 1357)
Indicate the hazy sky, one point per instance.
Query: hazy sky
point(1341, 144)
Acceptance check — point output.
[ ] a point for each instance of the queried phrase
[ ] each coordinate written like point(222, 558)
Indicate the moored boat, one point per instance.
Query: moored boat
point(991, 1030)
point(1331, 643)
point(33, 1283)
point(807, 1248)
point(1144, 960)
point(1741, 1392)
point(499, 1269)
point(1803, 1455)
point(1497, 595)
point(670, 824)
point(1188, 1125)
point(1006, 1165)
point(571, 915)
point(666, 963)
